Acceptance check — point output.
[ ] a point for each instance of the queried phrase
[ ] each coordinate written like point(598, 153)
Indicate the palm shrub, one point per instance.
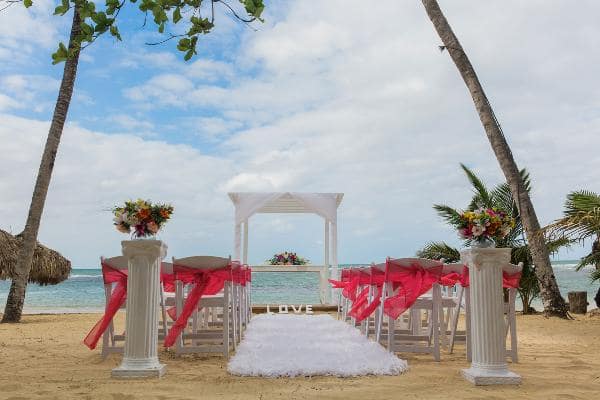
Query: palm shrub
point(500, 198)
point(581, 221)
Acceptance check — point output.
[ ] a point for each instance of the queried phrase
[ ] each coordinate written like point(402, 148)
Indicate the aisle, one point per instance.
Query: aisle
point(308, 345)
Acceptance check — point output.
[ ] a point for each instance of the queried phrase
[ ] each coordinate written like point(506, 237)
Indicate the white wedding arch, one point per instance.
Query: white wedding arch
point(323, 204)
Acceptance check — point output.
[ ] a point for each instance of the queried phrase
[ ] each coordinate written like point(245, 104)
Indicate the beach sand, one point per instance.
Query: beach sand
point(43, 358)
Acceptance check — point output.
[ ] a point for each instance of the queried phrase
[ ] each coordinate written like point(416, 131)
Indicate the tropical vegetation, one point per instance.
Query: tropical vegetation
point(497, 198)
point(554, 303)
point(581, 222)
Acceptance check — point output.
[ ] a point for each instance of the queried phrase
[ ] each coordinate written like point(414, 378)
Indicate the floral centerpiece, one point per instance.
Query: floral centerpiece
point(484, 226)
point(287, 258)
point(141, 218)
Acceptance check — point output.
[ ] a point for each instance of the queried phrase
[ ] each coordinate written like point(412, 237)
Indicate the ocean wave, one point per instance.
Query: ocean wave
point(76, 276)
point(571, 267)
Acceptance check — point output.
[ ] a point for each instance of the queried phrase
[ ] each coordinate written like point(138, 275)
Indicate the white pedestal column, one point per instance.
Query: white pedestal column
point(488, 334)
point(140, 359)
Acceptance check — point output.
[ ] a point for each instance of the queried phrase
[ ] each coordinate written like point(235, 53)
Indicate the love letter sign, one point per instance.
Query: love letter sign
point(287, 309)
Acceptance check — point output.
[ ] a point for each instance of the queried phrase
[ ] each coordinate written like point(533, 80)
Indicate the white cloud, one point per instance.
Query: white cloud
point(166, 87)
point(95, 171)
point(23, 31)
point(7, 103)
point(129, 123)
point(29, 91)
point(211, 128)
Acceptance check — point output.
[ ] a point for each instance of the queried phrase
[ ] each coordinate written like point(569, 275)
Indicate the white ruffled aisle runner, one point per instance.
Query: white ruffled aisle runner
point(308, 345)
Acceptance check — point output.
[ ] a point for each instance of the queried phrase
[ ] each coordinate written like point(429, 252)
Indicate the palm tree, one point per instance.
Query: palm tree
point(18, 286)
point(581, 221)
point(89, 24)
point(499, 197)
point(554, 304)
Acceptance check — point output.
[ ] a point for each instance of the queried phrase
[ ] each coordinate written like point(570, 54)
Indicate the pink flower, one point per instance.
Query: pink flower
point(152, 227)
point(140, 231)
point(122, 228)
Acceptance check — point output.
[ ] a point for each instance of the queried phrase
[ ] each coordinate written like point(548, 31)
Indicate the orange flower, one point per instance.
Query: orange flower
point(165, 213)
point(143, 213)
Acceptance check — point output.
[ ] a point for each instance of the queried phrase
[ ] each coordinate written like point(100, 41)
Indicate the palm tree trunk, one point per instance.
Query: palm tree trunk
point(554, 304)
point(16, 295)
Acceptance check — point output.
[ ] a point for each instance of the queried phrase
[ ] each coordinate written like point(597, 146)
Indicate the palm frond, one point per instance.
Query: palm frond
point(581, 216)
point(591, 259)
point(582, 200)
point(449, 215)
point(502, 196)
point(521, 254)
point(595, 275)
point(439, 250)
point(579, 226)
point(556, 244)
point(481, 196)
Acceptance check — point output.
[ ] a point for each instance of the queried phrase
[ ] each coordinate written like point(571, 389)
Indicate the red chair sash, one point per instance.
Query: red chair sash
point(337, 284)
point(509, 281)
point(206, 282)
point(118, 296)
point(346, 276)
point(411, 282)
point(454, 278)
point(362, 309)
point(361, 300)
point(349, 290)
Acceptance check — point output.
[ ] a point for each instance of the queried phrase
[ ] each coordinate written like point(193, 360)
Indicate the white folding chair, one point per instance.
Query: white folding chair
point(461, 300)
point(510, 315)
point(114, 343)
point(510, 318)
point(414, 338)
point(216, 332)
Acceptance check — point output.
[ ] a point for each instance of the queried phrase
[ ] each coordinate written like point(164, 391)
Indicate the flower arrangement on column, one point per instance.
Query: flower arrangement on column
point(484, 226)
point(287, 258)
point(141, 218)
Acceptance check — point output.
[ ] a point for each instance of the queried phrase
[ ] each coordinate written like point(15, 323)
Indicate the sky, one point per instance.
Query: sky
point(329, 96)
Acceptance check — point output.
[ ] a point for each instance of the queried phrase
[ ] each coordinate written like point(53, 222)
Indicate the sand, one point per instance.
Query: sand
point(43, 358)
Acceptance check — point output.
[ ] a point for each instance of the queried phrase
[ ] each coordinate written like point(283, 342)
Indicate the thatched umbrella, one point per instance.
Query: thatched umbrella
point(48, 268)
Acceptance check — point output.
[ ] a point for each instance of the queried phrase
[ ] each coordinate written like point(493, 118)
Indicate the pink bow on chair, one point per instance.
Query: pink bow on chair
point(411, 282)
point(116, 301)
point(206, 282)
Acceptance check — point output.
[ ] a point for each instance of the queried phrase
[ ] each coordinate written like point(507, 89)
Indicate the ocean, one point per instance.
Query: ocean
point(84, 291)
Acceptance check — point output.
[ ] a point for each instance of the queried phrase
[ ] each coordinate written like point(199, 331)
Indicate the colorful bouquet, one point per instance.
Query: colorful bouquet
point(142, 216)
point(483, 225)
point(287, 258)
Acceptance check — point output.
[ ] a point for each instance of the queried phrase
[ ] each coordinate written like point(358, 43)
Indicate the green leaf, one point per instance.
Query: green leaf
point(438, 251)
point(60, 10)
point(184, 44)
point(27, 3)
point(61, 54)
point(188, 55)
point(176, 15)
point(100, 18)
point(254, 7)
point(481, 193)
point(161, 27)
point(115, 32)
